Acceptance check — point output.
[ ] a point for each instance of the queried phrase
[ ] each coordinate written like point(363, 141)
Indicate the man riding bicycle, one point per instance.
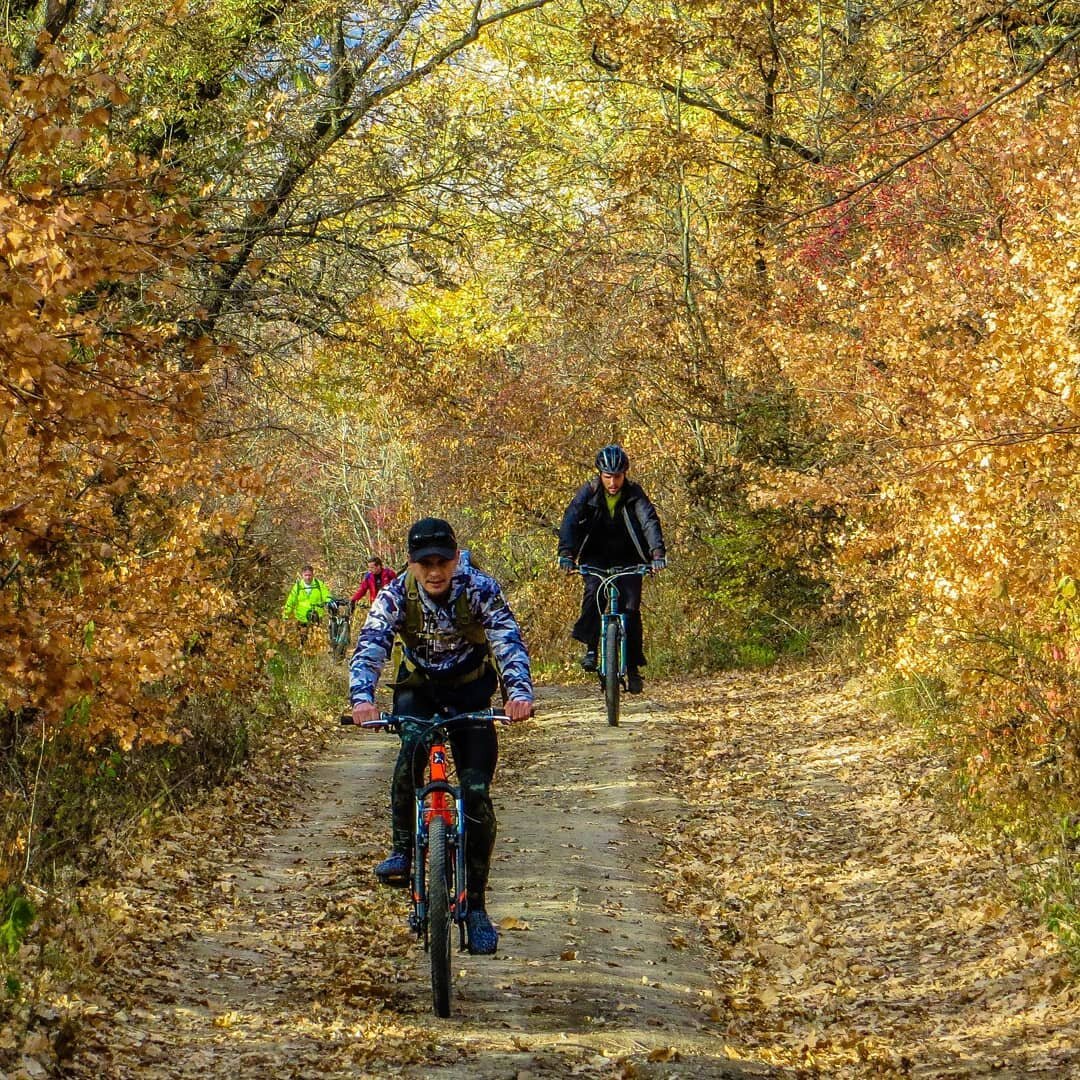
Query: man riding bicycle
point(611, 522)
point(456, 627)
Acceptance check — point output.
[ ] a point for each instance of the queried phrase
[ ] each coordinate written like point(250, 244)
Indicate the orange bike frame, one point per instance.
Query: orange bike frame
point(438, 803)
point(441, 803)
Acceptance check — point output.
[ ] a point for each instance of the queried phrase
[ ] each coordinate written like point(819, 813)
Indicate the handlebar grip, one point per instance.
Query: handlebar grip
point(385, 721)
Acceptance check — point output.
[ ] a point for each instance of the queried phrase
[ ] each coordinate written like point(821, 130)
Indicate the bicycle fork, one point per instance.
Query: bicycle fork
point(606, 620)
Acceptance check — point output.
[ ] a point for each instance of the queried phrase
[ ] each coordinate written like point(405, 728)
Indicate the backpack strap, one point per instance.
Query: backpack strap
point(466, 623)
point(414, 612)
point(470, 626)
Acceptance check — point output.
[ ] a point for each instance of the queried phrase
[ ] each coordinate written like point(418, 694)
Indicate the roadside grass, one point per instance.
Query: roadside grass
point(1025, 805)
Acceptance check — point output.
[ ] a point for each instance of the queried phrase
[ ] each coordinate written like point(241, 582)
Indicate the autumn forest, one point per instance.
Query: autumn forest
point(279, 276)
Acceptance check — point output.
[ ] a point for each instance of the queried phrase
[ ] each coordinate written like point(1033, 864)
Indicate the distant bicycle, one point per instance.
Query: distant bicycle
point(339, 625)
point(611, 661)
point(439, 883)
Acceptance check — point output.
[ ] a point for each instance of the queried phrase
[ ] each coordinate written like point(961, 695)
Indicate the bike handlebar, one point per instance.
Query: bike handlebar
point(640, 569)
point(392, 722)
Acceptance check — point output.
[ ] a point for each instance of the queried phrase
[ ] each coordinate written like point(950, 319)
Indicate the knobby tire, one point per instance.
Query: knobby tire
point(612, 685)
point(440, 887)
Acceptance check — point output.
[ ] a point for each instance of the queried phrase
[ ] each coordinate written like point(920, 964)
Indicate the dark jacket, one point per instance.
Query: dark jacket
point(588, 533)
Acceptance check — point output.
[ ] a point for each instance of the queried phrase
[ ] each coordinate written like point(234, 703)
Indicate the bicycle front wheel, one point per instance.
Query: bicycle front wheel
point(440, 886)
point(612, 686)
point(339, 639)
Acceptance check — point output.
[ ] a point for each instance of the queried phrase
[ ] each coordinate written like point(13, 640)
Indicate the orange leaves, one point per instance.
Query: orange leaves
point(108, 618)
point(95, 118)
point(945, 364)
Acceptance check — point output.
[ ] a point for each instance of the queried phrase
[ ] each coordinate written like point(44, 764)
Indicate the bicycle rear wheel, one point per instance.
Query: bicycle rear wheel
point(440, 888)
point(612, 686)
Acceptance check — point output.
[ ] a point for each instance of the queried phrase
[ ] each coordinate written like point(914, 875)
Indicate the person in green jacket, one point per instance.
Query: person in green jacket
point(307, 601)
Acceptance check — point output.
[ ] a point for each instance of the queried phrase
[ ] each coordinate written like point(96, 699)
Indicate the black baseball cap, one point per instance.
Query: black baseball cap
point(432, 536)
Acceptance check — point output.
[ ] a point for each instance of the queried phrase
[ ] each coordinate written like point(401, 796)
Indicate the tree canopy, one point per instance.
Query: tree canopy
point(279, 276)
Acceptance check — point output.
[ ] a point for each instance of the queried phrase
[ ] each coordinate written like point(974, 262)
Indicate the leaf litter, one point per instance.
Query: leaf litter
point(763, 890)
point(852, 932)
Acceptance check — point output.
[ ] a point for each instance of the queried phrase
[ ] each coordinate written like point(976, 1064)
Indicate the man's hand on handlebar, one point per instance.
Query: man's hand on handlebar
point(363, 711)
point(516, 709)
point(566, 564)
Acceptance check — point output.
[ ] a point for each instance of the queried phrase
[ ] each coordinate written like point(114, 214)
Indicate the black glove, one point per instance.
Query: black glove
point(566, 563)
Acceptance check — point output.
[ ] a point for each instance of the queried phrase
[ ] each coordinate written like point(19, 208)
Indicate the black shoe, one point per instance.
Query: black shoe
point(633, 682)
point(588, 661)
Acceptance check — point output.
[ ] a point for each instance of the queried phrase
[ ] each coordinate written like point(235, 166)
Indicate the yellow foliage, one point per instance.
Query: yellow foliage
point(113, 506)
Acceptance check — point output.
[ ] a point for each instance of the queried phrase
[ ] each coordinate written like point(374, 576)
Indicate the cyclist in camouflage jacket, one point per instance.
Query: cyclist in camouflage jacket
point(459, 638)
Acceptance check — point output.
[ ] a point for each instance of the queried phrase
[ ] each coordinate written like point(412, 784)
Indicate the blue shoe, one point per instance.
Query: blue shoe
point(394, 870)
point(483, 937)
point(588, 661)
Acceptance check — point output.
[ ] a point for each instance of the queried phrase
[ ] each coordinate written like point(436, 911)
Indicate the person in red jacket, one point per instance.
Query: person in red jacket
point(376, 578)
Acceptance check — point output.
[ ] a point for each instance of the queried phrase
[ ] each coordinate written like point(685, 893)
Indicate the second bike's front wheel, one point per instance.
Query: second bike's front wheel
point(339, 637)
point(612, 687)
point(440, 887)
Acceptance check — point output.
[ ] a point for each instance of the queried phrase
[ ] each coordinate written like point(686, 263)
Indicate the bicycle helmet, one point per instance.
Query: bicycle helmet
point(612, 459)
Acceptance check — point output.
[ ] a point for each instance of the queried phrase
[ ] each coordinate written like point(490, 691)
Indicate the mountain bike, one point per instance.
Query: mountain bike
point(339, 625)
point(611, 655)
point(439, 882)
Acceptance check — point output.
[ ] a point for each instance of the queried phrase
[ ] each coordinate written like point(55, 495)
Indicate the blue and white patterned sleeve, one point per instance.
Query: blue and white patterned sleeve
point(504, 636)
point(376, 641)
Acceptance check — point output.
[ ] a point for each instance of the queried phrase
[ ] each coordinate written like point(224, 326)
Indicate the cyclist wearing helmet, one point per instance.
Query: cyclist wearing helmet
point(611, 522)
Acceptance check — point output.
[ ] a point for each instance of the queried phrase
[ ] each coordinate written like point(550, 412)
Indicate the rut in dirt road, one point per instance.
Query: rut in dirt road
point(287, 960)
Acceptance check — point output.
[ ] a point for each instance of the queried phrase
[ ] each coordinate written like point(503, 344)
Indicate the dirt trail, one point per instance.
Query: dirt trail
point(833, 924)
point(259, 966)
point(581, 810)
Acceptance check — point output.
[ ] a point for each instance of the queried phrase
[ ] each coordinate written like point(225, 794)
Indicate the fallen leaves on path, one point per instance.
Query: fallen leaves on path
point(849, 932)
point(854, 934)
point(245, 943)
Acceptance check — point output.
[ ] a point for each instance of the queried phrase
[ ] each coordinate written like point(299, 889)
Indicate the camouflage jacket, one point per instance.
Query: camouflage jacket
point(444, 650)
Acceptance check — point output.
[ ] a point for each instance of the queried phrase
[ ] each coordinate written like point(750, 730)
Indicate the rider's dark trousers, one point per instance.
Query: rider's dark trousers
point(587, 628)
point(476, 753)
